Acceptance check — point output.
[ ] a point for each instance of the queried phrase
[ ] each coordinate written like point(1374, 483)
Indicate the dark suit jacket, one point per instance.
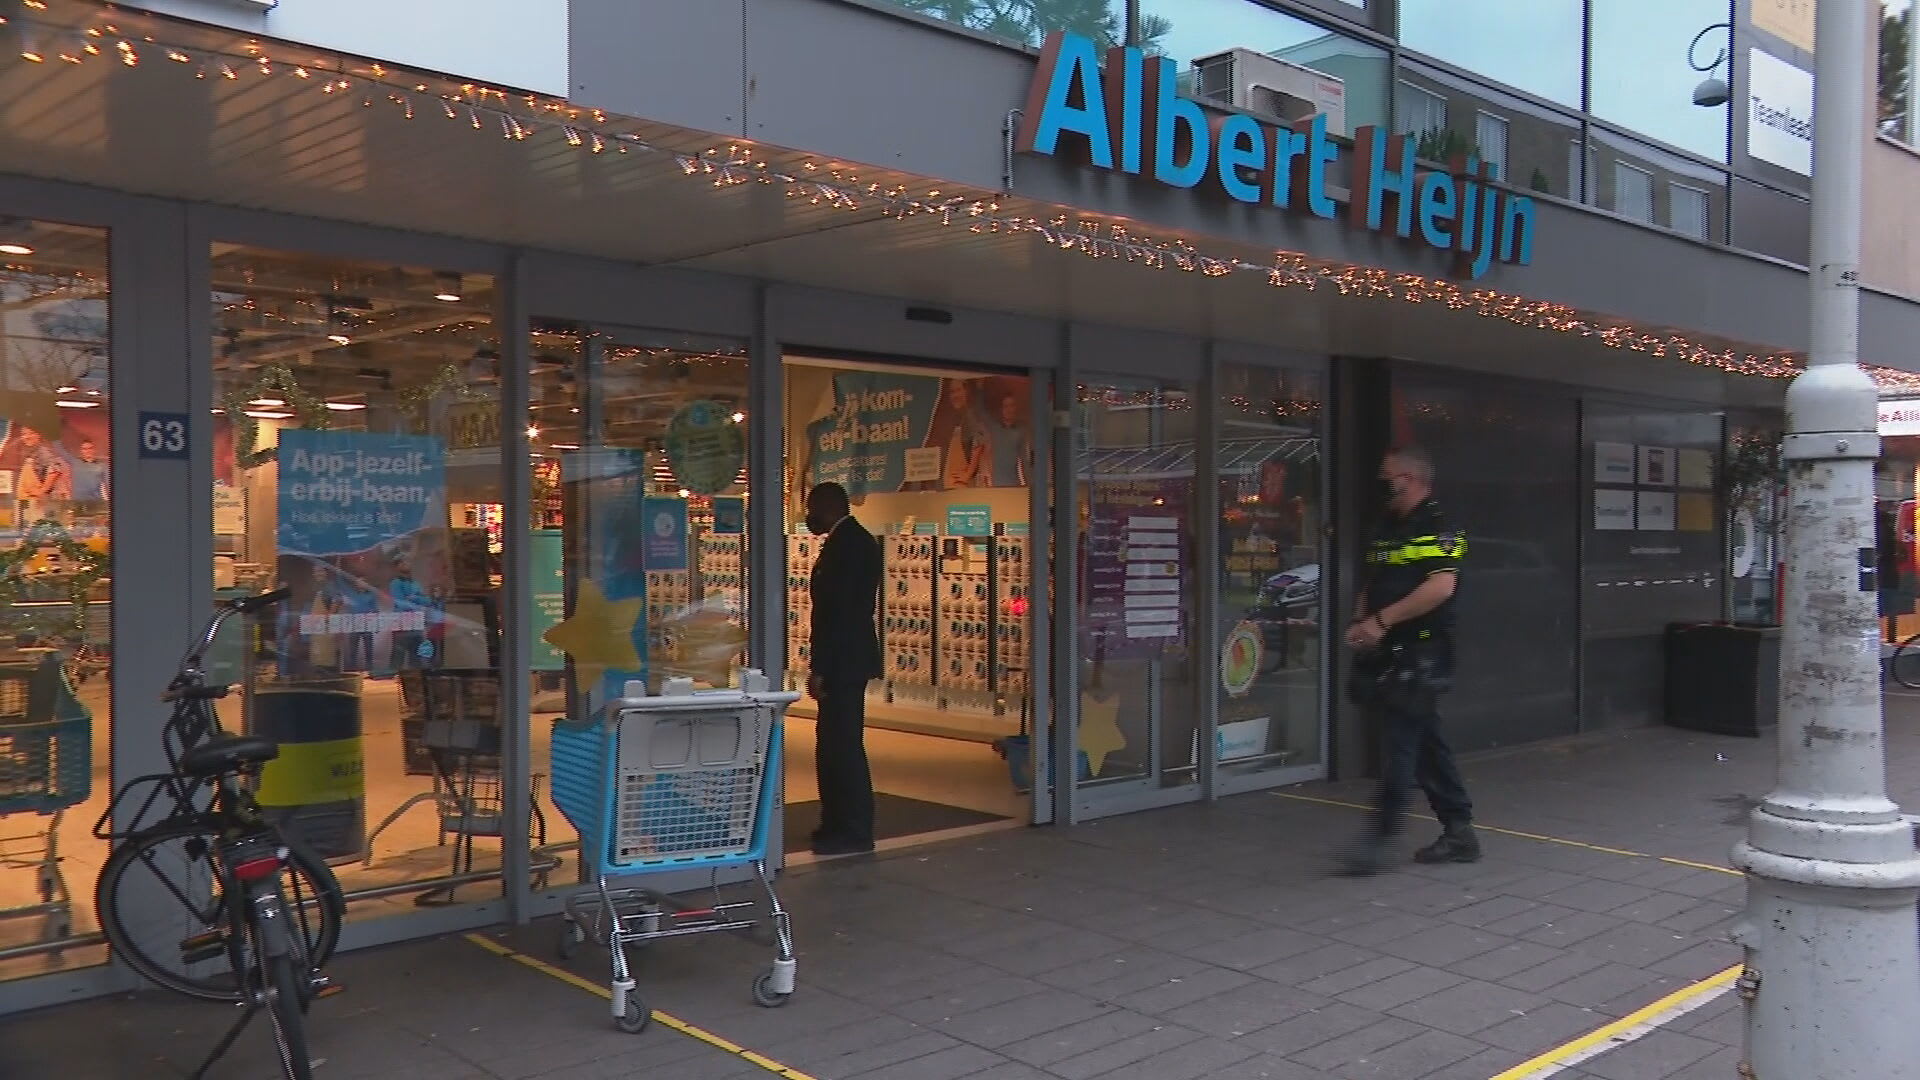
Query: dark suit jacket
point(845, 590)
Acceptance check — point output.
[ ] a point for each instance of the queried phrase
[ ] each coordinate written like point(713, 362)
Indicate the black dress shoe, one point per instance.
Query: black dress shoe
point(841, 845)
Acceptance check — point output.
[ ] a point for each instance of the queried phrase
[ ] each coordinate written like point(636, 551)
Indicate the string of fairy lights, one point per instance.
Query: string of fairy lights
point(520, 117)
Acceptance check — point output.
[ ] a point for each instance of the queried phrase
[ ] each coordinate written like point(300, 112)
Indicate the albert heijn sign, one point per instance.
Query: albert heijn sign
point(1130, 118)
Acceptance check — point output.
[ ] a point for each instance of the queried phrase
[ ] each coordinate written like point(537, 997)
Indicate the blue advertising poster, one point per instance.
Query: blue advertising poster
point(729, 516)
point(666, 532)
point(969, 521)
point(363, 545)
point(548, 589)
point(884, 432)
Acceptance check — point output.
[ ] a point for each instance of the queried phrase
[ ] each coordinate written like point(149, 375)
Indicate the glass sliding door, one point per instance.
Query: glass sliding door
point(1271, 620)
point(358, 462)
point(1138, 680)
point(638, 540)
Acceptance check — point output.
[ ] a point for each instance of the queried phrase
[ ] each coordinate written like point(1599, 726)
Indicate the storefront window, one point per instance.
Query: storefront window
point(1028, 22)
point(1640, 181)
point(1531, 45)
point(1643, 76)
point(1271, 612)
point(638, 538)
point(1138, 592)
point(939, 466)
point(1529, 146)
point(358, 462)
point(55, 514)
point(1304, 68)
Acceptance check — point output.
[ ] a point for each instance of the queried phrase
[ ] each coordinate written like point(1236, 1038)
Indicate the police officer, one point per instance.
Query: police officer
point(1402, 636)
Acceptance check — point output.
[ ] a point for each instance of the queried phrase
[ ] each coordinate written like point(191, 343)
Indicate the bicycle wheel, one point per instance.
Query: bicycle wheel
point(161, 909)
point(285, 978)
point(1906, 663)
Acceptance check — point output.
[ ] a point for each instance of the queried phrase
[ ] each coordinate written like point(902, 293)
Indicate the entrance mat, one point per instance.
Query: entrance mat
point(893, 816)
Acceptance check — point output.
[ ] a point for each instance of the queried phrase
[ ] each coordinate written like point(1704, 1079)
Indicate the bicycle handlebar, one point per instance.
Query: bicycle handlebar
point(245, 605)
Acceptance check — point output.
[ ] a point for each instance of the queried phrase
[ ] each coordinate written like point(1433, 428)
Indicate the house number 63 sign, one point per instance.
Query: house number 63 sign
point(163, 436)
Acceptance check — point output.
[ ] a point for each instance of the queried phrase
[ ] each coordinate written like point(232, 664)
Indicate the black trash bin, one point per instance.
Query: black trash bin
point(1723, 677)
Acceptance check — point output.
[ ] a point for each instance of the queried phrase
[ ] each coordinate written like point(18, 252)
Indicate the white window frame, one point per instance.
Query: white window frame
point(1404, 95)
point(1705, 199)
point(1620, 168)
point(1481, 119)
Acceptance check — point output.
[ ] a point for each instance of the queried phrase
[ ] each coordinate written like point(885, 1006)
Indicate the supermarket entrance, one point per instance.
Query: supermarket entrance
point(940, 465)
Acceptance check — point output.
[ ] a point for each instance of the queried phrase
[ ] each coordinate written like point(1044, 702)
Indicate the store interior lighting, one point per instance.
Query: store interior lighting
point(13, 238)
point(449, 288)
point(346, 406)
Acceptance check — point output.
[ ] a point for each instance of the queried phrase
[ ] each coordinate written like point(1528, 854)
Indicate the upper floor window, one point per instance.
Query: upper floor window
point(1632, 191)
point(1688, 209)
point(1649, 60)
point(1532, 45)
point(1292, 68)
point(1490, 134)
point(1028, 22)
point(1417, 111)
point(1897, 71)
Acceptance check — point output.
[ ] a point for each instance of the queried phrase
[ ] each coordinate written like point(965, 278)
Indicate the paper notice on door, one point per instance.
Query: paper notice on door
point(1695, 512)
point(1656, 511)
point(1612, 510)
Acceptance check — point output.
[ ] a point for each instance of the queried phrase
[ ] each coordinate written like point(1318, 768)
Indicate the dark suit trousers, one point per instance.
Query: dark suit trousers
point(840, 760)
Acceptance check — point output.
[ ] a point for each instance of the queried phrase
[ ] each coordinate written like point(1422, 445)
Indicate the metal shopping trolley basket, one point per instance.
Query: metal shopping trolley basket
point(46, 768)
point(684, 780)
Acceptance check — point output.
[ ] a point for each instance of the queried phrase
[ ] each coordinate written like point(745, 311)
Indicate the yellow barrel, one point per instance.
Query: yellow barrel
point(317, 787)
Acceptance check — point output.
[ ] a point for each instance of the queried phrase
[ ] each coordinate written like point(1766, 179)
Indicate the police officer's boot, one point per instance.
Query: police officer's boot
point(1457, 843)
point(1368, 855)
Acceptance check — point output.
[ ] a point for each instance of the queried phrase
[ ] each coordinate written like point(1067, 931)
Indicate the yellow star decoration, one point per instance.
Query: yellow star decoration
point(1100, 733)
point(598, 636)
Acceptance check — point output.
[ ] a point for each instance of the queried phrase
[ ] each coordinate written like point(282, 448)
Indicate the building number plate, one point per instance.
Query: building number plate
point(163, 436)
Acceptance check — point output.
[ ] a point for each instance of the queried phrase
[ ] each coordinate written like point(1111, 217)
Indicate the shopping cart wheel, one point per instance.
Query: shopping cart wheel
point(764, 996)
point(572, 936)
point(637, 1016)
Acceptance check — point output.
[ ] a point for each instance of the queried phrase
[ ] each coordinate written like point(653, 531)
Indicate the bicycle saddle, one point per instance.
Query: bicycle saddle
point(225, 754)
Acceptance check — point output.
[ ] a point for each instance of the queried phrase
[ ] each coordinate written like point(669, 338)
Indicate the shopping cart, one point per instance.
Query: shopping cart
point(680, 781)
point(46, 767)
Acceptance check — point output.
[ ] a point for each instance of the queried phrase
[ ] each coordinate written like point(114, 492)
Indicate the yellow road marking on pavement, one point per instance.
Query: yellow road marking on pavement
point(659, 1017)
point(1541, 837)
point(1628, 1028)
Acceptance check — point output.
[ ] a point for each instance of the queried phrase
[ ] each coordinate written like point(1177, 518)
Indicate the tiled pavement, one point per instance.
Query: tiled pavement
point(1203, 941)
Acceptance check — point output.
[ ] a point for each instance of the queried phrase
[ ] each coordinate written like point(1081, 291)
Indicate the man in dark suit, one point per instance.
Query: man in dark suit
point(845, 590)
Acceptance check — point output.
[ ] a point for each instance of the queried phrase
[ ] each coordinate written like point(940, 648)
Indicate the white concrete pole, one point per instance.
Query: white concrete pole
point(1832, 981)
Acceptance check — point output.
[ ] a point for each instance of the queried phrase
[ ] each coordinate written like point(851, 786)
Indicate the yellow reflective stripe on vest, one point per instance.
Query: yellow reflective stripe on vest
point(1417, 549)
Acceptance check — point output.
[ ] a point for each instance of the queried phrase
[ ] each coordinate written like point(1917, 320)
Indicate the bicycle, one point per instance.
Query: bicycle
point(1905, 663)
point(260, 912)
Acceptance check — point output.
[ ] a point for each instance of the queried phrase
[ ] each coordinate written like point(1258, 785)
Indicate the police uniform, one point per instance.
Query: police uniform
point(1404, 676)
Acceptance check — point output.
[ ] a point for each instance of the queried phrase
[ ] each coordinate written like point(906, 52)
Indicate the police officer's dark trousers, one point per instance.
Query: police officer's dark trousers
point(1414, 753)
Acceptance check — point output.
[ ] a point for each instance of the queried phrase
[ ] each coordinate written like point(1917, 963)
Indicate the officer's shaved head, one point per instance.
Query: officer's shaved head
point(1413, 461)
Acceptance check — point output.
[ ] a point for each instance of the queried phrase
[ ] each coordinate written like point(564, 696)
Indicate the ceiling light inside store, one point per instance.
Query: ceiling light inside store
point(565, 446)
point(30, 49)
point(346, 406)
point(14, 247)
point(269, 414)
point(533, 431)
point(739, 418)
point(77, 403)
point(267, 402)
point(449, 285)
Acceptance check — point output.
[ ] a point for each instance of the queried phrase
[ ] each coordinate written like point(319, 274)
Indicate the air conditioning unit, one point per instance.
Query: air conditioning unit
point(1262, 84)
